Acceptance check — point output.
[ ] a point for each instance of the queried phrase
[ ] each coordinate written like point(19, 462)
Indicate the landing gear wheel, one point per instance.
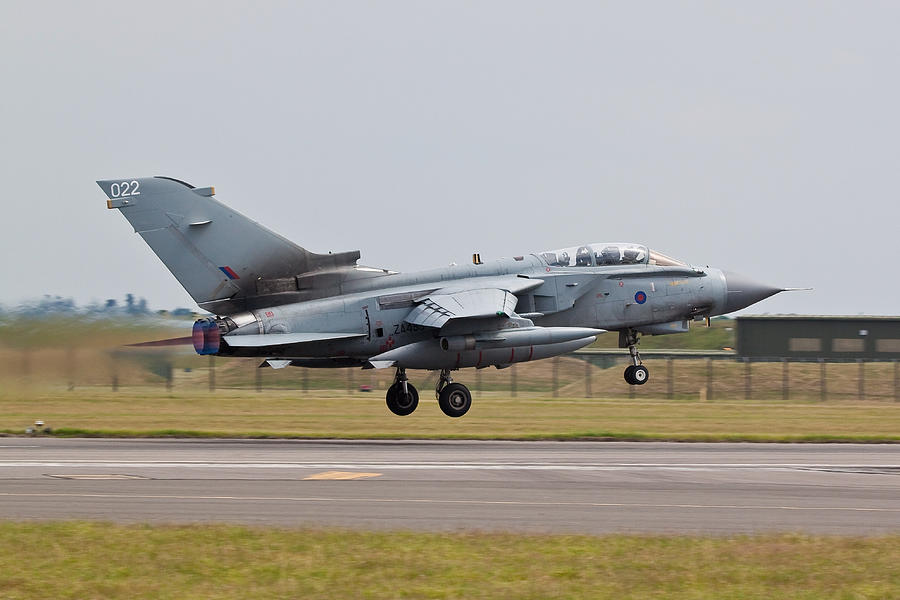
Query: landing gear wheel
point(400, 403)
point(640, 375)
point(636, 373)
point(455, 400)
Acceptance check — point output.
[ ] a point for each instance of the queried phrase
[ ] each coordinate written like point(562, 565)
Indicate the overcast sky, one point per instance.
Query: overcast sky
point(760, 137)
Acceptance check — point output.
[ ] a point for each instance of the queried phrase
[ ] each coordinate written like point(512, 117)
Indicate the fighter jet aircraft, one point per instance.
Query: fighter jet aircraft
point(277, 301)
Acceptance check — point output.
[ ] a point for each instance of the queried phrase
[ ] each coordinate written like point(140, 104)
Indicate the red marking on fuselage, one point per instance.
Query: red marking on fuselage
point(458, 358)
point(512, 354)
point(531, 353)
point(479, 358)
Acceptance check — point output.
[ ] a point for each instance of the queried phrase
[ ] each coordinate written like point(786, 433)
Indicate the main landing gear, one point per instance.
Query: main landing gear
point(453, 398)
point(636, 373)
point(402, 397)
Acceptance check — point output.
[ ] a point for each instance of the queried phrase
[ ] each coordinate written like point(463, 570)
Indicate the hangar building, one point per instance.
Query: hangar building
point(810, 337)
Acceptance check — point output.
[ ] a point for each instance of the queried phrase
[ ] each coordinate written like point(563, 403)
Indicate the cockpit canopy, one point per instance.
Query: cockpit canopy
point(607, 254)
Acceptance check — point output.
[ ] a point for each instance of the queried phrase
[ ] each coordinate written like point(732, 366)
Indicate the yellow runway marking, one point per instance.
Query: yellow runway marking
point(342, 475)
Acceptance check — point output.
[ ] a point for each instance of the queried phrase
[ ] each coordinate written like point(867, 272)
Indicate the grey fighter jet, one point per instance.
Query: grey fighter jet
point(291, 307)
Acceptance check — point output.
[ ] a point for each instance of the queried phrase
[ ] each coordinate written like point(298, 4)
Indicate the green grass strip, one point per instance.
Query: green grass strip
point(68, 432)
point(98, 560)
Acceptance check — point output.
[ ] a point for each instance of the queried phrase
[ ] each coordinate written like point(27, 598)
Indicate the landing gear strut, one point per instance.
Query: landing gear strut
point(636, 373)
point(402, 397)
point(453, 398)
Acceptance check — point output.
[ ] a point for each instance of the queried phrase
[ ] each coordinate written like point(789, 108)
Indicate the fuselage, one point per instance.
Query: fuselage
point(640, 297)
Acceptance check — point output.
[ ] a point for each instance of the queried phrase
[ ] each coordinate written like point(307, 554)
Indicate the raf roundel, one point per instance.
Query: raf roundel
point(640, 297)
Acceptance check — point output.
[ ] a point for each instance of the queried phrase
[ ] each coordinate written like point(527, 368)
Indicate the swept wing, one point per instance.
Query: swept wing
point(494, 297)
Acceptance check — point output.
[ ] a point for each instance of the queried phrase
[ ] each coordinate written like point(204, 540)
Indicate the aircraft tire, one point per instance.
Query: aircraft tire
point(455, 400)
point(399, 405)
point(629, 375)
point(640, 375)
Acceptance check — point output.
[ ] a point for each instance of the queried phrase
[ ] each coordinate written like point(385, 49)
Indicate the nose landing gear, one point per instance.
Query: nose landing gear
point(636, 373)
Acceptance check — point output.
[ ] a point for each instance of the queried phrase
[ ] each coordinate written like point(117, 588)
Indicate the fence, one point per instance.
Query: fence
point(715, 377)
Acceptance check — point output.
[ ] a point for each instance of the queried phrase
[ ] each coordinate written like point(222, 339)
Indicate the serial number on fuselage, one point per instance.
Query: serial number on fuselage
point(407, 328)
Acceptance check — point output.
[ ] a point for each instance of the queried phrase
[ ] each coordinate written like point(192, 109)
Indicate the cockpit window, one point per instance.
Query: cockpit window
point(578, 256)
point(620, 254)
point(560, 258)
point(661, 260)
point(584, 257)
point(608, 254)
point(602, 254)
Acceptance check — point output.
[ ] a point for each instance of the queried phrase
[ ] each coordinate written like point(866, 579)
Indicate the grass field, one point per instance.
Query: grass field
point(150, 411)
point(68, 385)
point(96, 560)
point(63, 371)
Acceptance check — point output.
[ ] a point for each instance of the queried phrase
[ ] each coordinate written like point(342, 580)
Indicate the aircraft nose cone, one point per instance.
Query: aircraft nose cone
point(743, 291)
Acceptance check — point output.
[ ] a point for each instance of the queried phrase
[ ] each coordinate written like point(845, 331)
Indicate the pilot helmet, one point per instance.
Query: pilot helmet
point(609, 255)
point(633, 255)
point(583, 257)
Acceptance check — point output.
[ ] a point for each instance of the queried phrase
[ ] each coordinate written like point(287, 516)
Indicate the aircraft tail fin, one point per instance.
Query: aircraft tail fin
point(223, 259)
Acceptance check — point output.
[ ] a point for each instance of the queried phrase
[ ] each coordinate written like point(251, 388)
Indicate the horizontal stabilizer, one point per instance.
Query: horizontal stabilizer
point(179, 341)
point(280, 339)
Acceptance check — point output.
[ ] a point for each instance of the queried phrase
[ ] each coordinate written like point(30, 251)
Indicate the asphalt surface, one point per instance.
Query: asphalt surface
point(583, 487)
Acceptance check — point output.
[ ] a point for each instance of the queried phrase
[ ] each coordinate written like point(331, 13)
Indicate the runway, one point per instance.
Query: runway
point(572, 487)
